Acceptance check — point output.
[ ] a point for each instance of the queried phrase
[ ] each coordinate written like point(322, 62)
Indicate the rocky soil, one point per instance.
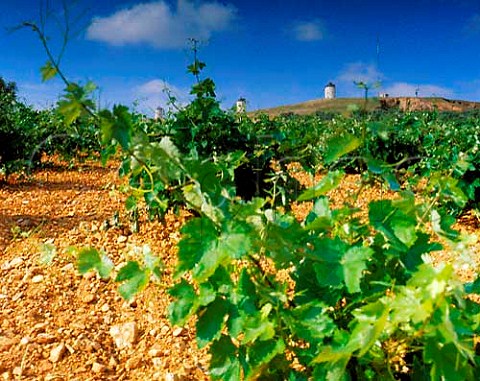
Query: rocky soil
point(56, 324)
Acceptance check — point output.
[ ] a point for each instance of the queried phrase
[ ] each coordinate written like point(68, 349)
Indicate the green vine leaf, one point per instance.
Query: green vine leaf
point(48, 71)
point(447, 363)
point(198, 234)
point(211, 321)
point(261, 353)
point(310, 321)
point(225, 364)
point(116, 125)
point(258, 326)
point(339, 146)
point(184, 303)
point(90, 258)
point(70, 110)
point(232, 244)
point(442, 225)
point(329, 182)
point(134, 279)
point(370, 323)
point(354, 263)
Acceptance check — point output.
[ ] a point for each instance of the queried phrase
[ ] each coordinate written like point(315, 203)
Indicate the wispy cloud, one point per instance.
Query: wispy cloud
point(40, 95)
point(360, 72)
point(369, 74)
point(156, 92)
point(308, 30)
point(403, 89)
point(357, 72)
point(159, 25)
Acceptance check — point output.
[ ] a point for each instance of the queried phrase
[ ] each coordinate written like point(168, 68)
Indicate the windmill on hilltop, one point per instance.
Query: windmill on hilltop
point(330, 91)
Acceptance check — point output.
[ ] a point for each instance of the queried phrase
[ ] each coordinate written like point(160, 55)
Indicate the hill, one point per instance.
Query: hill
point(342, 105)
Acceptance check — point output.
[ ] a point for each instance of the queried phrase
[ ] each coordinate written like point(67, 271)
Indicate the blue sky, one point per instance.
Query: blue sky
point(270, 52)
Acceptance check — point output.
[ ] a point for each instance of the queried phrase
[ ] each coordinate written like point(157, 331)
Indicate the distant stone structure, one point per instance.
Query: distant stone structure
point(241, 105)
point(159, 114)
point(330, 91)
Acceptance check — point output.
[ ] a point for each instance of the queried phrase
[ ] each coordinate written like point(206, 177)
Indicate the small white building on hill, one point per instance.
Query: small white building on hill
point(241, 105)
point(159, 114)
point(330, 91)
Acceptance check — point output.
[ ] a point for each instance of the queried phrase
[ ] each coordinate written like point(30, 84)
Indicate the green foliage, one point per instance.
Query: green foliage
point(69, 130)
point(398, 147)
point(90, 258)
point(8, 88)
point(48, 71)
point(116, 125)
point(22, 131)
point(357, 300)
point(329, 182)
point(339, 146)
point(25, 132)
point(331, 297)
point(134, 279)
point(133, 276)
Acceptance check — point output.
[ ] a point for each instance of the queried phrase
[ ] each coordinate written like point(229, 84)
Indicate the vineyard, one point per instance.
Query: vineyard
point(315, 247)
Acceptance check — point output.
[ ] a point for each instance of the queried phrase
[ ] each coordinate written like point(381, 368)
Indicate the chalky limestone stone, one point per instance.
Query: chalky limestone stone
point(57, 353)
point(124, 335)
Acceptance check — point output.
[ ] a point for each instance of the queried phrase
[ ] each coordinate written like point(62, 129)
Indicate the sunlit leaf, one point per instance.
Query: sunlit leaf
point(326, 184)
point(47, 253)
point(48, 71)
point(354, 263)
point(225, 365)
point(262, 352)
point(134, 279)
point(89, 258)
point(339, 146)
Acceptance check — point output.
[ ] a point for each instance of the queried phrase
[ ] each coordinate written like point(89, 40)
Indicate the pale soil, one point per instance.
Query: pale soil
point(48, 306)
point(54, 323)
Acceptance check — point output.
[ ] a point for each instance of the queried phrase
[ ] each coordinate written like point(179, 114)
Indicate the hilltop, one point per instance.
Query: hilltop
point(342, 105)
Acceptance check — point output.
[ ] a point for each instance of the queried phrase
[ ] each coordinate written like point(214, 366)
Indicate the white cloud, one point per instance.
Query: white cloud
point(155, 93)
point(153, 87)
point(403, 89)
point(308, 30)
point(160, 26)
point(360, 72)
point(369, 74)
point(357, 72)
point(40, 95)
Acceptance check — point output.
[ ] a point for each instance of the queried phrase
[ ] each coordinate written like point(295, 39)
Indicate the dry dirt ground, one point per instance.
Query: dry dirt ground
point(58, 325)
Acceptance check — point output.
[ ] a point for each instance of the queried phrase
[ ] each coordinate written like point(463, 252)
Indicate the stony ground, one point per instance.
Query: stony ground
point(58, 325)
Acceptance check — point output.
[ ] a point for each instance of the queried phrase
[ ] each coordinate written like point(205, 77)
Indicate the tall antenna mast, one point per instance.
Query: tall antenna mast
point(378, 57)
